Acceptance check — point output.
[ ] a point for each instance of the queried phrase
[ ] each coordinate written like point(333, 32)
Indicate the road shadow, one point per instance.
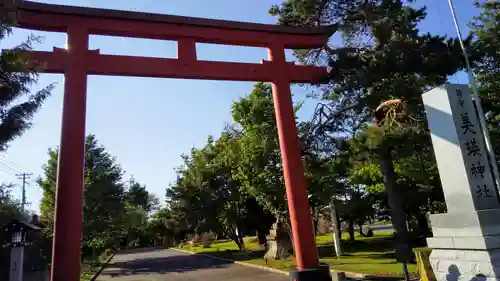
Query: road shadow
point(375, 248)
point(163, 265)
point(454, 274)
point(237, 255)
point(141, 250)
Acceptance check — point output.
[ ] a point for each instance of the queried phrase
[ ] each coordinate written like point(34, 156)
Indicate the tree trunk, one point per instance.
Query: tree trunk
point(237, 241)
point(396, 203)
point(261, 235)
point(423, 225)
point(237, 226)
point(284, 239)
point(350, 229)
point(315, 220)
point(339, 224)
point(94, 255)
point(236, 238)
point(242, 242)
point(360, 226)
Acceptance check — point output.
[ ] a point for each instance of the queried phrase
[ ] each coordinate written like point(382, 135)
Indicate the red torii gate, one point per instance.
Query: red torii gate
point(78, 61)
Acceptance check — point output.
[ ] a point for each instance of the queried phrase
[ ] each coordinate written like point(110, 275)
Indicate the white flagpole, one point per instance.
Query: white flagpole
point(479, 106)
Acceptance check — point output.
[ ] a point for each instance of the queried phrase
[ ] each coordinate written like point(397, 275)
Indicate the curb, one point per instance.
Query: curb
point(351, 275)
point(102, 268)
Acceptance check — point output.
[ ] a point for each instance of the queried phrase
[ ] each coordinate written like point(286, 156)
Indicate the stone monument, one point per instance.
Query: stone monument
point(279, 244)
point(16, 237)
point(466, 242)
point(207, 239)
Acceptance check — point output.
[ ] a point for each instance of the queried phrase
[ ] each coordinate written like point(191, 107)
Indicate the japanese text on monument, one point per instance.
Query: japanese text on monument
point(472, 144)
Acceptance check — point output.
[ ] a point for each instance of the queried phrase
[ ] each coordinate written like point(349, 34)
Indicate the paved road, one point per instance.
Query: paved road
point(170, 265)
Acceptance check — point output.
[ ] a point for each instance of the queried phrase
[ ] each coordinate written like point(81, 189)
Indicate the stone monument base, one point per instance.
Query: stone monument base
point(465, 265)
point(276, 250)
point(272, 250)
point(466, 246)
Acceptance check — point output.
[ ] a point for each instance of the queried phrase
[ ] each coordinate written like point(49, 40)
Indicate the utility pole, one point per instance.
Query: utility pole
point(24, 177)
point(477, 99)
point(131, 181)
point(337, 238)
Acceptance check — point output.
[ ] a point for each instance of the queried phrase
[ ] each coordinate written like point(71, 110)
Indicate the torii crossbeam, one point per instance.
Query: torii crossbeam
point(78, 61)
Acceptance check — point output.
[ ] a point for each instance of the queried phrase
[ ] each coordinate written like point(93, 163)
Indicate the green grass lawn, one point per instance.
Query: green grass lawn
point(377, 223)
point(372, 255)
point(89, 267)
point(87, 272)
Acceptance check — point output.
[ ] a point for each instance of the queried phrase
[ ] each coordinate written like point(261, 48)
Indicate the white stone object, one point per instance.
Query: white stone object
point(207, 240)
point(272, 250)
point(466, 242)
point(459, 147)
point(16, 264)
point(338, 276)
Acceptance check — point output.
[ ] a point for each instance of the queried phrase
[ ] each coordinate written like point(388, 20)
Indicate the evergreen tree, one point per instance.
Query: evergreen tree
point(104, 216)
point(377, 76)
point(486, 58)
point(17, 74)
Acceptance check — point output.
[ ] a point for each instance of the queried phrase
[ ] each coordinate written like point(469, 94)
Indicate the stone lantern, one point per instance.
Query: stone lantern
point(15, 237)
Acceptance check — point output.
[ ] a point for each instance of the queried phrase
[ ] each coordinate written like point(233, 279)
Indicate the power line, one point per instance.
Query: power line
point(5, 159)
point(10, 167)
point(7, 170)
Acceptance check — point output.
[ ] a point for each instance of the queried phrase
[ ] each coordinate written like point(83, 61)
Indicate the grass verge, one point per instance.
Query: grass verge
point(368, 255)
point(90, 268)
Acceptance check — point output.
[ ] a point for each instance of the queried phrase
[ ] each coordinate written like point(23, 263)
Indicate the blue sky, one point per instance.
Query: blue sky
point(148, 123)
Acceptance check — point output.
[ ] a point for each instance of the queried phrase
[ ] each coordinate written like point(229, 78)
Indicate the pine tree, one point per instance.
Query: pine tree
point(486, 49)
point(378, 73)
point(104, 196)
point(17, 74)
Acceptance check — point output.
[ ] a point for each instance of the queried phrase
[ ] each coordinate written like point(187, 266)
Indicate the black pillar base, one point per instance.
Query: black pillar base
point(322, 273)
